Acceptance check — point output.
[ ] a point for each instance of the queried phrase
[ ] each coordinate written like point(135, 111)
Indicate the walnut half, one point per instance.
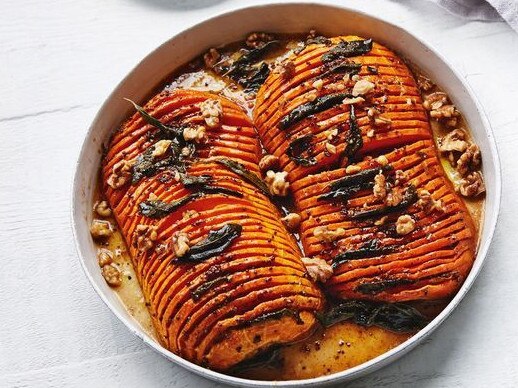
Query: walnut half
point(472, 185)
point(318, 269)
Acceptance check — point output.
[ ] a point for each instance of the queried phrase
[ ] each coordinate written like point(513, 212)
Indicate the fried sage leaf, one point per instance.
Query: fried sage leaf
point(159, 209)
point(202, 183)
point(246, 174)
point(297, 148)
point(346, 49)
point(371, 249)
point(166, 130)
point(354, 141)
point(215, 243)
point(318, 105)
point(397, 317)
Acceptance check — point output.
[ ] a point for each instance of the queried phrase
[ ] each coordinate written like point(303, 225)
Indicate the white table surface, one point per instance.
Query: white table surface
point(60, 59)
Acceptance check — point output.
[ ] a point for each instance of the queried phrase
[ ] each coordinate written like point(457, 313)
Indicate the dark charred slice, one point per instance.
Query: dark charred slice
point(371, 249)
point(354, 141)
point(207, 286)
point(254, 81)
point(372, 288)
point(159, 209)
point(346, 49)
point(396, 317)
point(244, 173)
point(215, 243)
point(318, 105)
point(340, 67)
point(409, 198)
point(349, 185)
point(202, 183)
point(298, 148)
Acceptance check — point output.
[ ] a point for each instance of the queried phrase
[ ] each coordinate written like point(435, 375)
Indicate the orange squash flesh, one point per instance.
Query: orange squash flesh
point(262, 270)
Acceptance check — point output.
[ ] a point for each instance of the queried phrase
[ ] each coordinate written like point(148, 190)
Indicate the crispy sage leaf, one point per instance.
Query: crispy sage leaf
point(346, 49)
point(246, 174)
point(159, 209)
point(354, 136)
point(202, 183)
point(297, 148)
point(176, 132)
point(215, 243)
point(397, 317)
point(371, 249)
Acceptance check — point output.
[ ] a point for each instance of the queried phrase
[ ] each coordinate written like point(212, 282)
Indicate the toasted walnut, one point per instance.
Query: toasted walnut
point(470, 160)
point(258, 39)
point(181, 243)
point(160, 148)
point(382, 160)
point(435, 100)
point(292, 221)
point(424, 83)
point(100, 229)
point(445, 111)
point(211, 111)
point(268, 162)
point(380, 186)
point(330, 148)
point(371, 133)
point(381, 121)
point(277, 183)
point(394, 197)
point(362, 87)
point(400, 177)
point(318, 269)
point(382, 221)
point(211, 57)
point(121, 173)
point(351, 101)
point(427, 203)
point(454, 141)
point(331, 134)
point(104, 257)
point(112, 275)
point(287, 70)
point(405, 224)
point(146, 237)
point(102, 208)
point(323, 233)
point(196, 134)
point(352, 169)
point(318, 84)
point(473, 185)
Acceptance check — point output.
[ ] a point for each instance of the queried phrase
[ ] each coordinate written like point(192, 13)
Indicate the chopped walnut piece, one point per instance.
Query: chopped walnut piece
point(211, 57)
point(112, 275)
point(371, 133)
point(104, 257)
point(380, 121)
point(181, 243)
point(362, 87)
point(394, 197)
point(211, 111)
point(331, 134)
point(287, 70)
point(188, 214)
point(382, 160)
point(323, 233)
point(380, 190)
point(277, 183)
point(318, 84)
point(445, 111)
point(318, 269)
point(258, 39)
point(268, 162)
point(427, 203)
point(100, 229)
point(292, 221)
point(454, 141)
point(102, 208)
point(472, 185)
point(400, 177)
point(121, 173)
point(330, 148)
point(470, 160)
point(435, 100)
point(146, 237)
point(196, 134)
point(354, 100)
point(424, 83)
point(382, 221)
point(405, 224)
point(160, 148)
point(352, 169)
